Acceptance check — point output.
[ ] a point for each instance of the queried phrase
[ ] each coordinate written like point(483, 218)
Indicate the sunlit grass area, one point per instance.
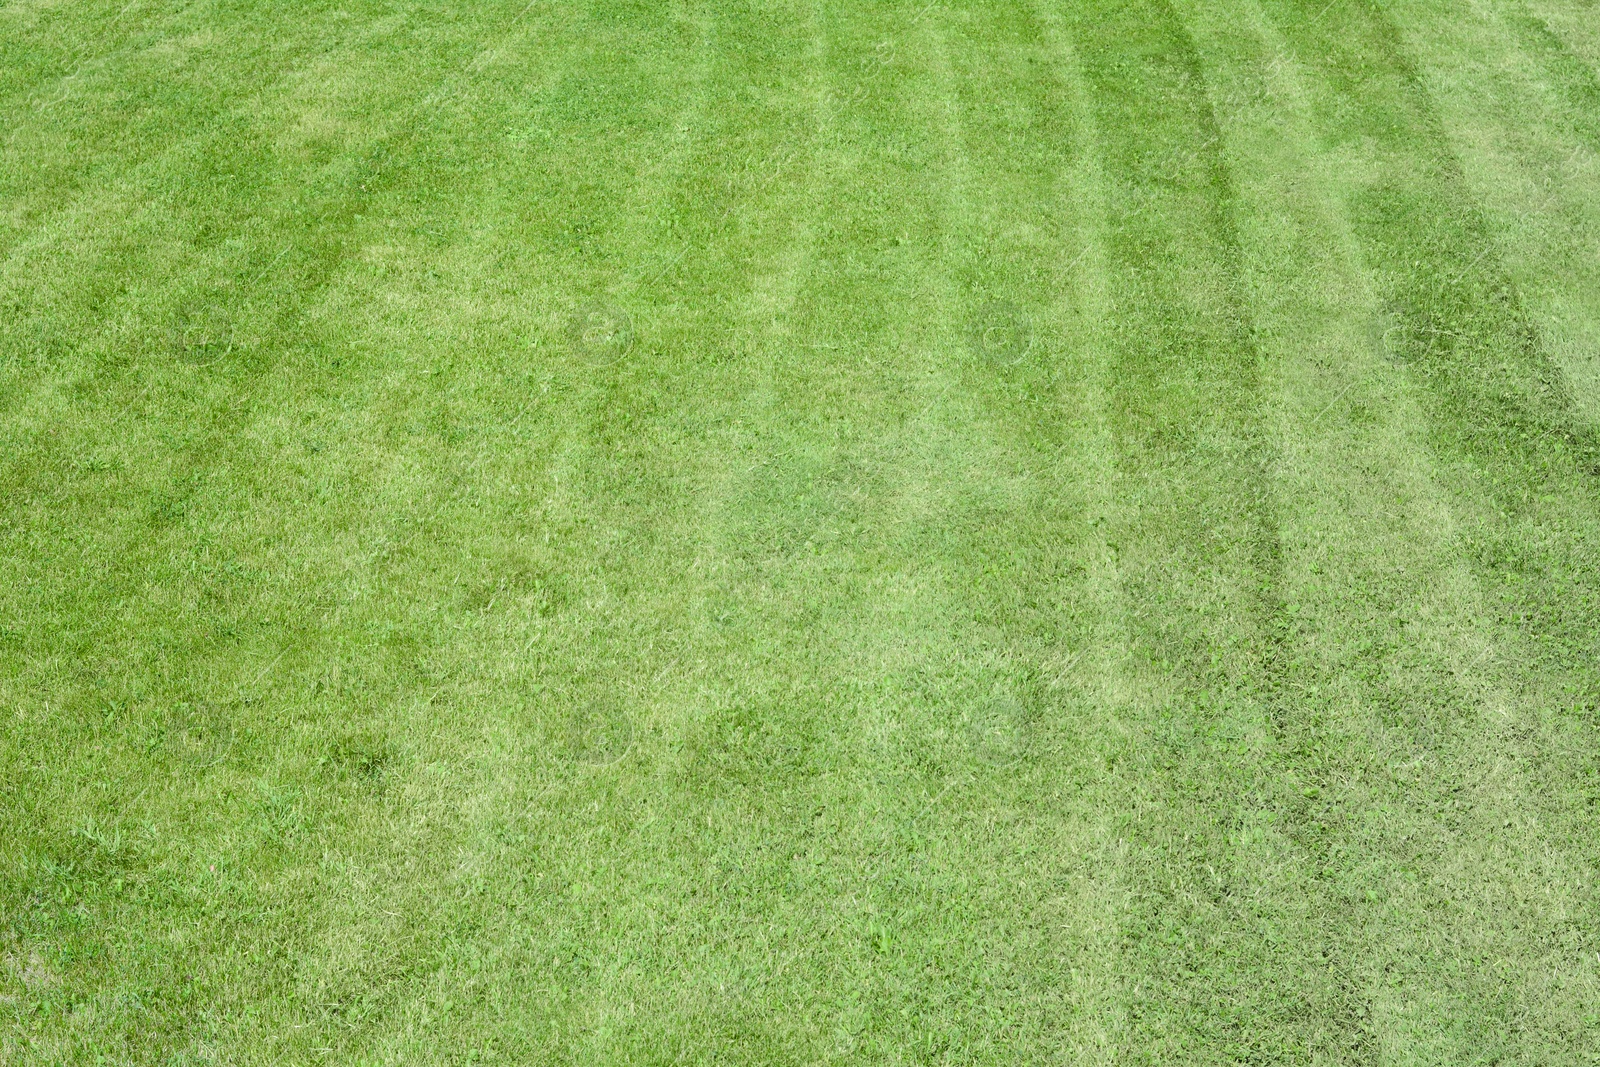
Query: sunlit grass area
point(725, 531)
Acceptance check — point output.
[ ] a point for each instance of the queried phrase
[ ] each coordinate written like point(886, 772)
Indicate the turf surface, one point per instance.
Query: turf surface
point(1033, 531)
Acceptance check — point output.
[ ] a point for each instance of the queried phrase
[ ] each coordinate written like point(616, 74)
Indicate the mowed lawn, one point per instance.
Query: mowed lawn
point(776, 532)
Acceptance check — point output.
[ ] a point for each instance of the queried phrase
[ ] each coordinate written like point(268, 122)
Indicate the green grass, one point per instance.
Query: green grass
point(1034, 531)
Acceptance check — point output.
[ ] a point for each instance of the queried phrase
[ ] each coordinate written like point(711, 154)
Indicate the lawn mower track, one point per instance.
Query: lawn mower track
point(781, 532)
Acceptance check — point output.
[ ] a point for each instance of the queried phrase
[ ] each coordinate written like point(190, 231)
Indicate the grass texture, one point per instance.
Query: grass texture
point(778, 532)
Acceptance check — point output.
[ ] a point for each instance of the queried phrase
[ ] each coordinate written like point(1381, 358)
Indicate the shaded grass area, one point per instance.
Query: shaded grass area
point(790, 533)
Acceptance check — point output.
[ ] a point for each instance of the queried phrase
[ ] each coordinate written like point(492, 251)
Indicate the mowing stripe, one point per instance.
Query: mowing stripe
point(782, 532)
point(1221, 904)
point(1496, 742)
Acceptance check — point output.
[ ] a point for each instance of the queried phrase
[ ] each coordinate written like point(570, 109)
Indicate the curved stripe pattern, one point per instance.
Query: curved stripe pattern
point(787, 531)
